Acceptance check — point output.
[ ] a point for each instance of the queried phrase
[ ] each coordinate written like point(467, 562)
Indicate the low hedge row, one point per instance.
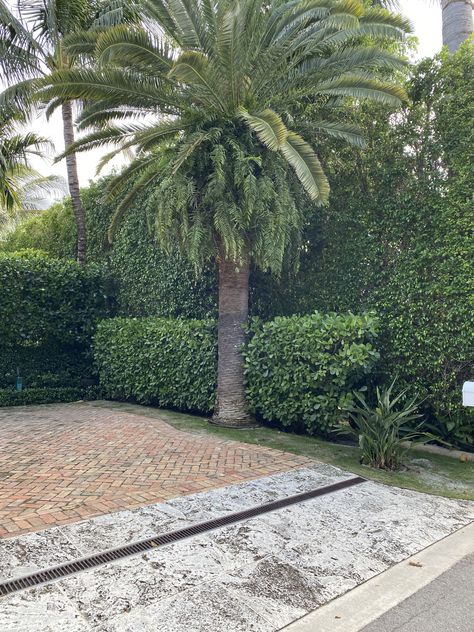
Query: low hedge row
point(300, 371)
point(164, 362)
point(45, 366)
point(9, 397)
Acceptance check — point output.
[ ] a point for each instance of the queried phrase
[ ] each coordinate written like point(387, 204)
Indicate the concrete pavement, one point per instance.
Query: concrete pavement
point(445, 604)
point(429, 592)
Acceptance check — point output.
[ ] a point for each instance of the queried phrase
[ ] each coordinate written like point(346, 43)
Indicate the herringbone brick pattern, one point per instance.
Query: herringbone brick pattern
point(66, 462)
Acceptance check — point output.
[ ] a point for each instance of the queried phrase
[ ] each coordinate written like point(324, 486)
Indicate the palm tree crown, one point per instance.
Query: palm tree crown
point(221, 86)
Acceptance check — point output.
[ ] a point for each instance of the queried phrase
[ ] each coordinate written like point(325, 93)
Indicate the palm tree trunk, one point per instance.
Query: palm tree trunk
point(231, 405)
point(457, 22)
point(73, 183)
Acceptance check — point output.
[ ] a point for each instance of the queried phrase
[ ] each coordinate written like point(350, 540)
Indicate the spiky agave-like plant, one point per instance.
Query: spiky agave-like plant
point(219, 88)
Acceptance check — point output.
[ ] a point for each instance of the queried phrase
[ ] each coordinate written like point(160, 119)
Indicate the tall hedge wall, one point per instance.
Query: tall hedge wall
point(48, 312)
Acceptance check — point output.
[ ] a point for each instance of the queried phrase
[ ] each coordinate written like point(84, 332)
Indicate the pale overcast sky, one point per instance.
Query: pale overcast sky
point(426, 19)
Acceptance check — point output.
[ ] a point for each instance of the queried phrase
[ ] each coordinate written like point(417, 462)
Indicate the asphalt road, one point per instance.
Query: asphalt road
point(445, 605)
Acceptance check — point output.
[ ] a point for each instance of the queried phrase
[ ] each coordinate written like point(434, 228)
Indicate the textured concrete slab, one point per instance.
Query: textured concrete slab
point(204, 609)
point(260, 574)
point(34, 551)
point(43, 609)
point(385, 593)
point(276, 589)
point(140, 581)
point(112, 530)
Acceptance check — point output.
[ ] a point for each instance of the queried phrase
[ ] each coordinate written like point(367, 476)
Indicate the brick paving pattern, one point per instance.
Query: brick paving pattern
point(66, 462)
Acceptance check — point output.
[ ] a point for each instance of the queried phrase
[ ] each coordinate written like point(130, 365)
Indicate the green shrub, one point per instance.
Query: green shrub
point(169, 363)
point(9, 397)
point(382, 429)
point(301, 370)
point(48, 312)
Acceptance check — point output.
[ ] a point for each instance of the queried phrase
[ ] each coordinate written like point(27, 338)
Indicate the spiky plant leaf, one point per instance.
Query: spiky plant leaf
point(302, 158)
point(268, 126)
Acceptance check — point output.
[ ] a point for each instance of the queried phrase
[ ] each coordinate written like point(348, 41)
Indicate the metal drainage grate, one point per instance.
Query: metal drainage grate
point(70, 568)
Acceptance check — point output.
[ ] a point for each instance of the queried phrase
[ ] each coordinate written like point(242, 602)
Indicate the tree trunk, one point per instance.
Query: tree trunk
point(231, 404)
point(73, 183)
point(457, 22)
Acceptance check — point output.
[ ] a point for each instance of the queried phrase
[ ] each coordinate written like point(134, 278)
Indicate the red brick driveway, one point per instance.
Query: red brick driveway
point(66, 462)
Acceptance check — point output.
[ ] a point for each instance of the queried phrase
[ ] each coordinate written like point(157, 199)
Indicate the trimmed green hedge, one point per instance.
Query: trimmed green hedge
point(300, 370)
point(9, 397)
point(49, 309)
point(168, 363)
point(45, 366)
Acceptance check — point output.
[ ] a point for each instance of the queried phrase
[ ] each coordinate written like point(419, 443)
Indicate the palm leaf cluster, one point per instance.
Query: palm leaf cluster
point(32, 41)
point(211, 96)
point(22, 188)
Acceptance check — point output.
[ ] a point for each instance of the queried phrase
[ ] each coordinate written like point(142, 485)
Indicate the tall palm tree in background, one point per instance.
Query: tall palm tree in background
point(217, 90)
point(32, 46)
point(458, 23)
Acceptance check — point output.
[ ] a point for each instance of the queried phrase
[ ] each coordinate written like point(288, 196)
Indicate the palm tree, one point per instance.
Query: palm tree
point(220, 88)
point(31, 46)
point(458, 22)
point(21, 187)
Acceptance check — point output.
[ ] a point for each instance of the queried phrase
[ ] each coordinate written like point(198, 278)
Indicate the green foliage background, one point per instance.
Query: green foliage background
point(147, 281)
point(396, 238)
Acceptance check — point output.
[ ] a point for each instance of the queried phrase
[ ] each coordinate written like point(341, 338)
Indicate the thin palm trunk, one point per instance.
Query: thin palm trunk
point(457, 22)
point(231, 406)
point(73, 183)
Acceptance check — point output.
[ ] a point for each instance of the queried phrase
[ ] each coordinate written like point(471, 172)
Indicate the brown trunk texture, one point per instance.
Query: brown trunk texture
point(73, 184)
point(231, 404)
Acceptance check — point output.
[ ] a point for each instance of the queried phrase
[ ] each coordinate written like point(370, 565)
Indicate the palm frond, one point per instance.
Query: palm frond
point(302, 158)
point(344, 131)
point(362, 87)
point(133, 48)
point(268, 126)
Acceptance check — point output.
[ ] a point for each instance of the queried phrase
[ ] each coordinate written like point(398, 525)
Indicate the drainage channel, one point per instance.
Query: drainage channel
point(76, 566)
